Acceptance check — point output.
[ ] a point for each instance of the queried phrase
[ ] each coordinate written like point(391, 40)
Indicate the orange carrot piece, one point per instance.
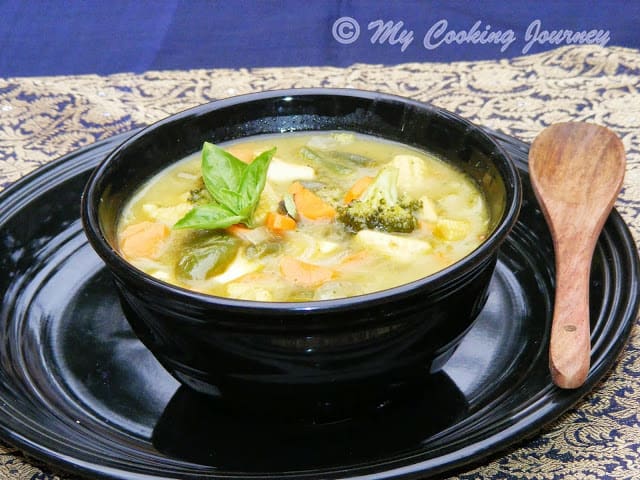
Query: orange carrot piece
point(310, 205)
point(356, 259)
point(238, 229)
point(143, 239)
point(296, 187)
point(251, 235)
point(305, 274)
point(357, 189)
point(276, 222)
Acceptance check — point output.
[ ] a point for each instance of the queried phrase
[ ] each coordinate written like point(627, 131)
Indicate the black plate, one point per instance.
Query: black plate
point(78, 390)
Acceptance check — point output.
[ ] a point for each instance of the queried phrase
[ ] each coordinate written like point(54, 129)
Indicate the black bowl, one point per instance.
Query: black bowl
point(339, 353)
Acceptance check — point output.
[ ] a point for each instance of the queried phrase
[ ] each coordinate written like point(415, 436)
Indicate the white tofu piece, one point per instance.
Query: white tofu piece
point(403, 249)
point(281, 171)
point(238, 268)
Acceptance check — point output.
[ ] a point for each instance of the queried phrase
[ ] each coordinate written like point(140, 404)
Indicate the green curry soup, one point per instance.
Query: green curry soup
point(315, 216)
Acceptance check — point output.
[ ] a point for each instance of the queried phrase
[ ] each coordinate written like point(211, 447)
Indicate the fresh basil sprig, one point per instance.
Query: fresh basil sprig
point(235, 187)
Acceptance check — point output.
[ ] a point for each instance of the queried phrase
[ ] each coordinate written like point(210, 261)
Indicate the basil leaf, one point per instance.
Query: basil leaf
point(253, 181)
point(234, 200)
point(222, 174)
point(234, 186)
point(210, 216)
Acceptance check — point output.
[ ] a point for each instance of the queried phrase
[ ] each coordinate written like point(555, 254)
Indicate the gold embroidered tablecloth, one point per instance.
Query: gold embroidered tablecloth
point(43, 118)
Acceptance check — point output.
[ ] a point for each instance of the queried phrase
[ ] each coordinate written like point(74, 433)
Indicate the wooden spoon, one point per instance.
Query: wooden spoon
point(576, 171)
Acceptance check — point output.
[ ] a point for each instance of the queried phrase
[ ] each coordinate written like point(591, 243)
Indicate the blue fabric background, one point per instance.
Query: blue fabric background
point(76, 37)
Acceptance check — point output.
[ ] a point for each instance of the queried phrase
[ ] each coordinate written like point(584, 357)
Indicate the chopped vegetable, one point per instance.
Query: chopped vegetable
point(269, 201)
point(309, 205)
point(260, 250)
point(206, 257)
point(412, 171)
point(278, 223)
point(323, 160)
point(290, 205)
point(239, 230)
point(330, 193)
point(357, 189)
point(144, 239)
point(426, 228)
point(380, 208)
point(303, 273)
point(428, 210)
point(234, 186)
point(250, 235)
point(451, 230)
point(356, 260)
point(335, 161)
point(351, 158)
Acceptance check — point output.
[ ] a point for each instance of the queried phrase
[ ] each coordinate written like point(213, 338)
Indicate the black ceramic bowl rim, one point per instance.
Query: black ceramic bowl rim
point(91, 198)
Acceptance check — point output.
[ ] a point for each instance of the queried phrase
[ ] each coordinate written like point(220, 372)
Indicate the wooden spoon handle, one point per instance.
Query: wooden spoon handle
point(570, 346)
point(576, 171)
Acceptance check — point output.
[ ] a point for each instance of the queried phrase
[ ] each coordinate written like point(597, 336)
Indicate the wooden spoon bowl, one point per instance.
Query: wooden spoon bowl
point(577, 170)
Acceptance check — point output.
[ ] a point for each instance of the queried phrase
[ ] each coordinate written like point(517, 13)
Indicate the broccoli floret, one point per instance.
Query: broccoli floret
point(380, 208)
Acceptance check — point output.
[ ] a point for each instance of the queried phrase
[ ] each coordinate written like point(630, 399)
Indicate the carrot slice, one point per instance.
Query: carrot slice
point(357, 259)
point(305, 274)
point(296, 187)
point(238, 229)
point(277, 222)
point(143, 239)
point(250, 235)
point(357, 189)
point(310, 205)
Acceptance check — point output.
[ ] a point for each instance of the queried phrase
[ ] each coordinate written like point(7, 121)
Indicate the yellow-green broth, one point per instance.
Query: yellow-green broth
point(452, 221)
